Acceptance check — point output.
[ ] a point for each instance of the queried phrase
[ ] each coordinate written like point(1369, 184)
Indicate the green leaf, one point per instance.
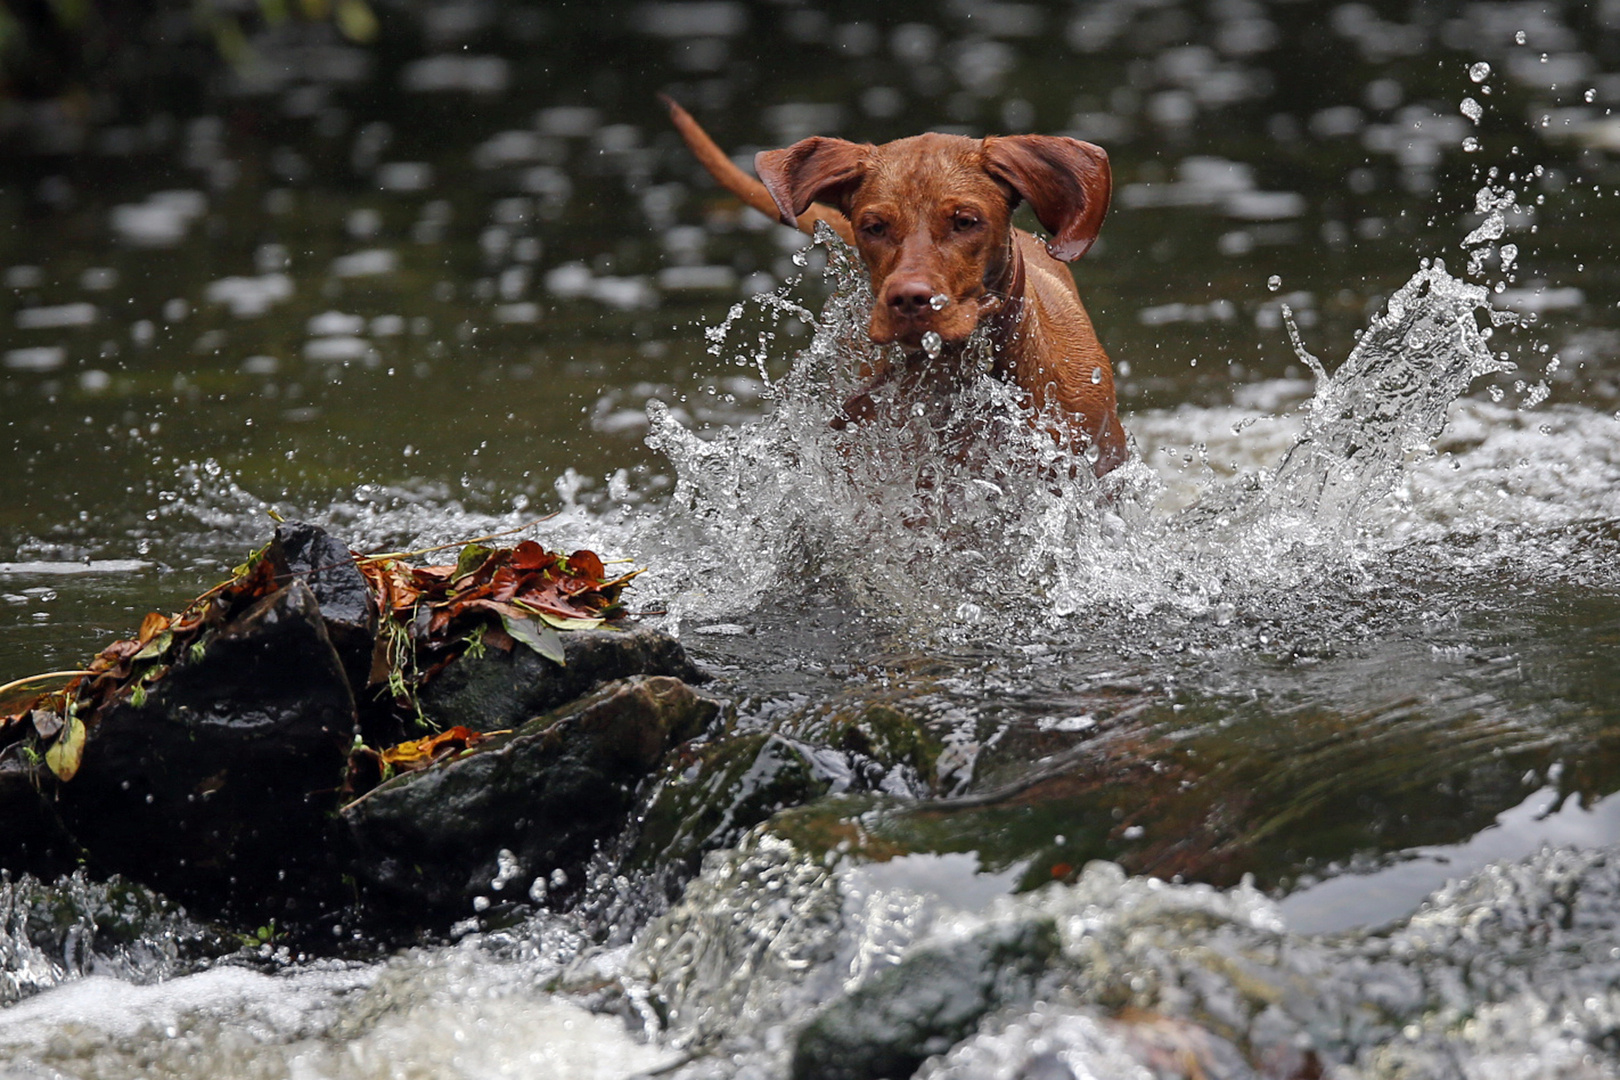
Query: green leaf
point(472, 557)
point(537, 636)
point(156, 647)
point(564, 623)
point(68, 750)
point(252, 561)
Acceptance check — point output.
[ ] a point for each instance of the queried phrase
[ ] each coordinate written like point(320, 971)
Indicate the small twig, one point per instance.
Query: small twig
point(10, 686)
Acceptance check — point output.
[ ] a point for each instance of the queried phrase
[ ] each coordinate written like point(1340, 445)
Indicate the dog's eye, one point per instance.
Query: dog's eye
point(964, 222)
point(875, 228)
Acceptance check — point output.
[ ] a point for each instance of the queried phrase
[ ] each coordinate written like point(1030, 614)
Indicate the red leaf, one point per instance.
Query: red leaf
point(531, 556)
point(586, 564)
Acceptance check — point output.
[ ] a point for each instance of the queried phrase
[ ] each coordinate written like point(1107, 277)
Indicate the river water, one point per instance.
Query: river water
point(1313, 702)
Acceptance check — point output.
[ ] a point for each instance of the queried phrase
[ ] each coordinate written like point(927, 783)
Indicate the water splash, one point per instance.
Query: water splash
point(54, 933)
point(1388, 400)
point(1508, 966)
point(950, 505)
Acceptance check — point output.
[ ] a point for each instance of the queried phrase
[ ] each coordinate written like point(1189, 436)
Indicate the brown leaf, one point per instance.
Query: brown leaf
point(585, 564)
point(46, 723)
point(505, 584)
point(531, 556)
point(496, 637)
point(151, 626)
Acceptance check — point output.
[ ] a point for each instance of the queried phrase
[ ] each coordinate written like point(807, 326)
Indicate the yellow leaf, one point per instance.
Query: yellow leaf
point(66, 752)
point(562, 623)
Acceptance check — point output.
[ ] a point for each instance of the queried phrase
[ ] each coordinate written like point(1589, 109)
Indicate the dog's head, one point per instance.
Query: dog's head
point(932, 216)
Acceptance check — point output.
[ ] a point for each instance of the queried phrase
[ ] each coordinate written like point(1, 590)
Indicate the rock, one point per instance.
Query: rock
point(889, 750)
point(931, 1000)
point(501, 690)
point(714, 793)
point(223, 779)
point(32, 839)
point(326, 565)
point(521, 806)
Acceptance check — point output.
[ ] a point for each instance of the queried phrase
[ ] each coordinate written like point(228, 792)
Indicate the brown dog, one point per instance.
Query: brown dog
point(932, 219)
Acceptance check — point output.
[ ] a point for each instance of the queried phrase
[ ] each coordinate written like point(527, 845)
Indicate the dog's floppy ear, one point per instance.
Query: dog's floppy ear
point(812, 170)
point(1065, 181)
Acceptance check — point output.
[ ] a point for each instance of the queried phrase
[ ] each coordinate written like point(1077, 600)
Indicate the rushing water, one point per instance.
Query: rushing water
point(1326, 676)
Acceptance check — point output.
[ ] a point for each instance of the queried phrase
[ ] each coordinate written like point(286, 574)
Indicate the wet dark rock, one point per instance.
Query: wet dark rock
point(224, 777)
point(32, 839)
point(306, 553)
point(716, 792)
point(501, 690)
point(931, 1000)
point(523, 805)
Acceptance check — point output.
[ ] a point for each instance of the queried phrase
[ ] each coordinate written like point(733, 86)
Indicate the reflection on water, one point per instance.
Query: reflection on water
point(1352, 636)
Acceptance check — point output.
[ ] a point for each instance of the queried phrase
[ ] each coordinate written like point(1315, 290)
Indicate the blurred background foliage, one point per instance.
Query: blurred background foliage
point(50, 48)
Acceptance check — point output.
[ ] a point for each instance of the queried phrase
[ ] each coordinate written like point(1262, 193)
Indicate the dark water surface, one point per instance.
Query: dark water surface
point(423, 289)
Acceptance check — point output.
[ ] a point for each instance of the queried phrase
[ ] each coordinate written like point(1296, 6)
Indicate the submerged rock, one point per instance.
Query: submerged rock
point(521, 813)
point(714, 793)
point(53, 931)
point(923, 1005)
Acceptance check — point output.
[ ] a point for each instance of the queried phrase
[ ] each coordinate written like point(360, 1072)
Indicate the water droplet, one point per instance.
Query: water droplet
point(1096, 376)
point(800, 258)
point(1470, 145)
point(1472, 109)
point(1519, 37)
point(939, 300)
point(1510, 254)
point(1590, 96)
point(1274, 282)
point(932, 343)
point(1480, 72)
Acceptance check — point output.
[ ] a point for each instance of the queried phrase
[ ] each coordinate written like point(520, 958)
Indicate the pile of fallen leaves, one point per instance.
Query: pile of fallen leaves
point(427, 617)
point(530, 591)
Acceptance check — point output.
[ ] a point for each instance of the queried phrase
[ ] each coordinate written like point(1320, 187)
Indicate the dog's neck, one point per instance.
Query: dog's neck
point(1004, 322)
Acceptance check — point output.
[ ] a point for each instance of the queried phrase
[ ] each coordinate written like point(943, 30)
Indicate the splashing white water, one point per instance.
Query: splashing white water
point(941, 506)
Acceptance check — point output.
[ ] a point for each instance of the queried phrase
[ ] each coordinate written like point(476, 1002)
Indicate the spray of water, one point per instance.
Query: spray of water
point(959, 511)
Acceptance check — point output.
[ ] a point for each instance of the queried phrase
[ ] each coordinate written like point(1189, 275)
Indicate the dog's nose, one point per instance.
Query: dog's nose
point(910, 299)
